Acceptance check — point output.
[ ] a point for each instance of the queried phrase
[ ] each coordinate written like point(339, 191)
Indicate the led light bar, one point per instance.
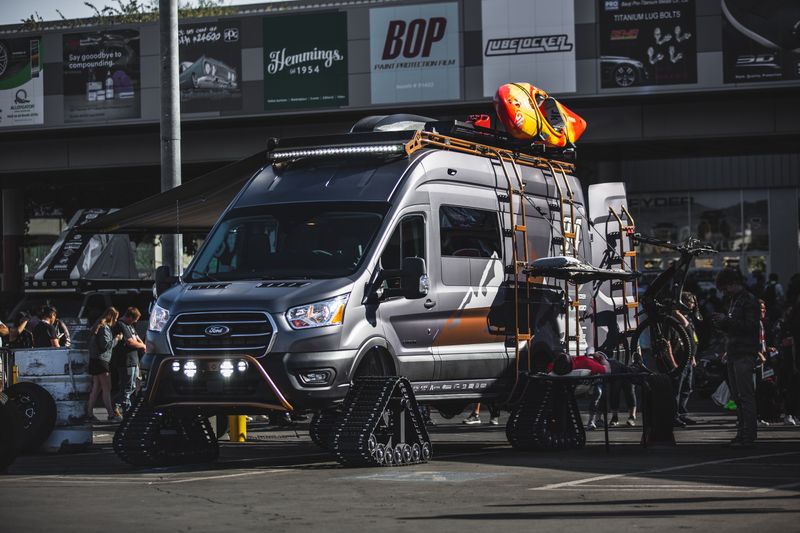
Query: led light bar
point(372, 149)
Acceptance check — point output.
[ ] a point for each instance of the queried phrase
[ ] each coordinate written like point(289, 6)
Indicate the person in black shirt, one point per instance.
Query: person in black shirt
point(127, 352)
point(45, 334)
point(741, 326)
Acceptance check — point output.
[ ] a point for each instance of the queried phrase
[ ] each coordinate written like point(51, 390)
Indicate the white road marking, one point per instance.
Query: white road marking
point(145, 479)
point(584, 481)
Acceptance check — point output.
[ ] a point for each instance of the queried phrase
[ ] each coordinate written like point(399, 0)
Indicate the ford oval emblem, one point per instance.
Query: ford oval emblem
point(217, 331)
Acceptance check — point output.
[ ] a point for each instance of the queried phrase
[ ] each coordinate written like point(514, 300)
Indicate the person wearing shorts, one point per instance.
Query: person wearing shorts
point(101, 345)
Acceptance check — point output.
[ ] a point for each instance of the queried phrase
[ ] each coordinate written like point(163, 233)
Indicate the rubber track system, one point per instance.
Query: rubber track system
point(322, 425)
point(380, 425)
point(546, 418)
point(148, 438)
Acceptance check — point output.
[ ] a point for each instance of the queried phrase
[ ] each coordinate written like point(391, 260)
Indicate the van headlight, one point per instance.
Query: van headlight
point(158, 318)
point(324, 313)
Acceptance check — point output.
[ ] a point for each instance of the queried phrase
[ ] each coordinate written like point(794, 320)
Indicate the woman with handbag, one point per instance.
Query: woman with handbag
point(101, 345)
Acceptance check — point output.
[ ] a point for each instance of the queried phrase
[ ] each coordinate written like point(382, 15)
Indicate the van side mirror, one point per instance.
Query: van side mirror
point(164, 280)
point(414, 276)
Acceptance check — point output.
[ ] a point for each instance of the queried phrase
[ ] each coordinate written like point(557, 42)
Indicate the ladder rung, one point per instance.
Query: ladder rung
point(524, 336)
point(573, 338)
point(631, 305)
point(631, 253)
point(520, 227)
point(569, 235)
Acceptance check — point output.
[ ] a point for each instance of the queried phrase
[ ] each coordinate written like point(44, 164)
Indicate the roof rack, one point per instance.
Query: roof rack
point(444, 135)
point(463, 137)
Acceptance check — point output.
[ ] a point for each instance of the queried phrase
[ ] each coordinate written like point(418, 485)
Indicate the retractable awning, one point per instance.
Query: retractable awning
point(193, 207)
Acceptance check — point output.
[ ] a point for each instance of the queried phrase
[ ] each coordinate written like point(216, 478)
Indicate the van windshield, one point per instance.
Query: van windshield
point(305, 240)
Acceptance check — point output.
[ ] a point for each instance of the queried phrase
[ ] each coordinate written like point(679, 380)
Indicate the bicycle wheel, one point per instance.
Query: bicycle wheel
point(667, 335)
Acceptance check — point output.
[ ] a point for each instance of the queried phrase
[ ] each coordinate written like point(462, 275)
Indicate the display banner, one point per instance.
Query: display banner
point(305, 61)
point(760, 48)
point(414, 53)
point(101, 76)
point(62, 260)
point(21, 82)
point(210, 66)
point(531, 41)
point(645, 42)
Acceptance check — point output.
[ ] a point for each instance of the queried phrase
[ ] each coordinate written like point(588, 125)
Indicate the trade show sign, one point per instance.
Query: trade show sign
point(210, 66)
point(530, 41)
point(647, 43)
point(414, 53)
point(21, 82)
point(101, 76)
point(305, 61)
point(756, 50)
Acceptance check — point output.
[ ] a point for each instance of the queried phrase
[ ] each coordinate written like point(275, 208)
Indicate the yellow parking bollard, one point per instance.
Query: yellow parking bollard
point(237, 428)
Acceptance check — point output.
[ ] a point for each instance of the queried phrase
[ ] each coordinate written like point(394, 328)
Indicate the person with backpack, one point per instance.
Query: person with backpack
point(101, 346)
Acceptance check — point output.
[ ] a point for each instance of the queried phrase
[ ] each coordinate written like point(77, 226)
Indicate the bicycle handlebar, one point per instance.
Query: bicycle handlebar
point(690, 246)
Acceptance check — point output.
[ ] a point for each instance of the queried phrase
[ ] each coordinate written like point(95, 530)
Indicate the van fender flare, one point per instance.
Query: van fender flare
point(369, 345)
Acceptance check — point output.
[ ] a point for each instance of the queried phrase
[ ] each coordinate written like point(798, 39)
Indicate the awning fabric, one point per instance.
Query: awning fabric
point(193, 207)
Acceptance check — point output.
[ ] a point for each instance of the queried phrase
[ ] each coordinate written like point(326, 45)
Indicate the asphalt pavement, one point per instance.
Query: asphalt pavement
point(280, 481)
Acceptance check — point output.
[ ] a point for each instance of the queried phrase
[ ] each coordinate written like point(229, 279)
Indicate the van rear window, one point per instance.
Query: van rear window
point(468, 232)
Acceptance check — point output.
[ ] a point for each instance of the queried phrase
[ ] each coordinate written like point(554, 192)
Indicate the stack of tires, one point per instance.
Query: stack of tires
point(62, 375)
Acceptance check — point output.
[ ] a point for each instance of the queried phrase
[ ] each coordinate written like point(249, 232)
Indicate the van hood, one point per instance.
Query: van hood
point(273, 296)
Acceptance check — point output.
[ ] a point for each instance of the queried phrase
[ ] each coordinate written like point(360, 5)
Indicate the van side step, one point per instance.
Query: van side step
point(380, 425)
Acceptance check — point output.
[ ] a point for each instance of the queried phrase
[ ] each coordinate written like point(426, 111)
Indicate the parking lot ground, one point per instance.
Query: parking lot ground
point(280, 481)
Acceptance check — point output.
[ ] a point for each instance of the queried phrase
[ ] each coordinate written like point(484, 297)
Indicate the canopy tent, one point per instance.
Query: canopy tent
point(193, 207)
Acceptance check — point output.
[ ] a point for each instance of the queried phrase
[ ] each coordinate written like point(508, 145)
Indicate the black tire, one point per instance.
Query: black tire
point(673, 334)
point(10, 429)
point(38, 410)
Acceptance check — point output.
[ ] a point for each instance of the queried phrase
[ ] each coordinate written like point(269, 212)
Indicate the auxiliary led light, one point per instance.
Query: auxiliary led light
point(337, 151)
point(176, 366)
point(189, 369)
point(241, 366)
point(226, 368)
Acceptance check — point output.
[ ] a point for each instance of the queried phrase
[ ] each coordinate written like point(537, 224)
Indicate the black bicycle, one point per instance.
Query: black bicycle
point(672, 343)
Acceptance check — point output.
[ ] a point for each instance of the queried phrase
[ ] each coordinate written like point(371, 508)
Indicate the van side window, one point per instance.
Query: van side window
point(408, 240)
point(467, 232)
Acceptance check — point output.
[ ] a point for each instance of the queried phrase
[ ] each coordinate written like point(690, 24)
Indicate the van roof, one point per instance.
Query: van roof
point(442, 135)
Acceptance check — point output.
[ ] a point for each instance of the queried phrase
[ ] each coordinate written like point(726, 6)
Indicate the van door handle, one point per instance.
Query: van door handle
point(429, 304)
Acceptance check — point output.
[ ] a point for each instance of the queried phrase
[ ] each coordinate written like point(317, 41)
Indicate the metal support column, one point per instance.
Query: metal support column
point(170, 122)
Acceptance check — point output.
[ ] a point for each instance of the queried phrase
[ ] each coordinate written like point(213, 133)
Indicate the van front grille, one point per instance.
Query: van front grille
point(230, 332)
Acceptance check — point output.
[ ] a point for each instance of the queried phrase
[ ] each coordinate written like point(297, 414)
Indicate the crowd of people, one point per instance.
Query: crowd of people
point(114, 351)
point(750, 325)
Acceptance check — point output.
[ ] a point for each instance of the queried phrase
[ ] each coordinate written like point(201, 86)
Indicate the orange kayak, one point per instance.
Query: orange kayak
point(529, 113)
